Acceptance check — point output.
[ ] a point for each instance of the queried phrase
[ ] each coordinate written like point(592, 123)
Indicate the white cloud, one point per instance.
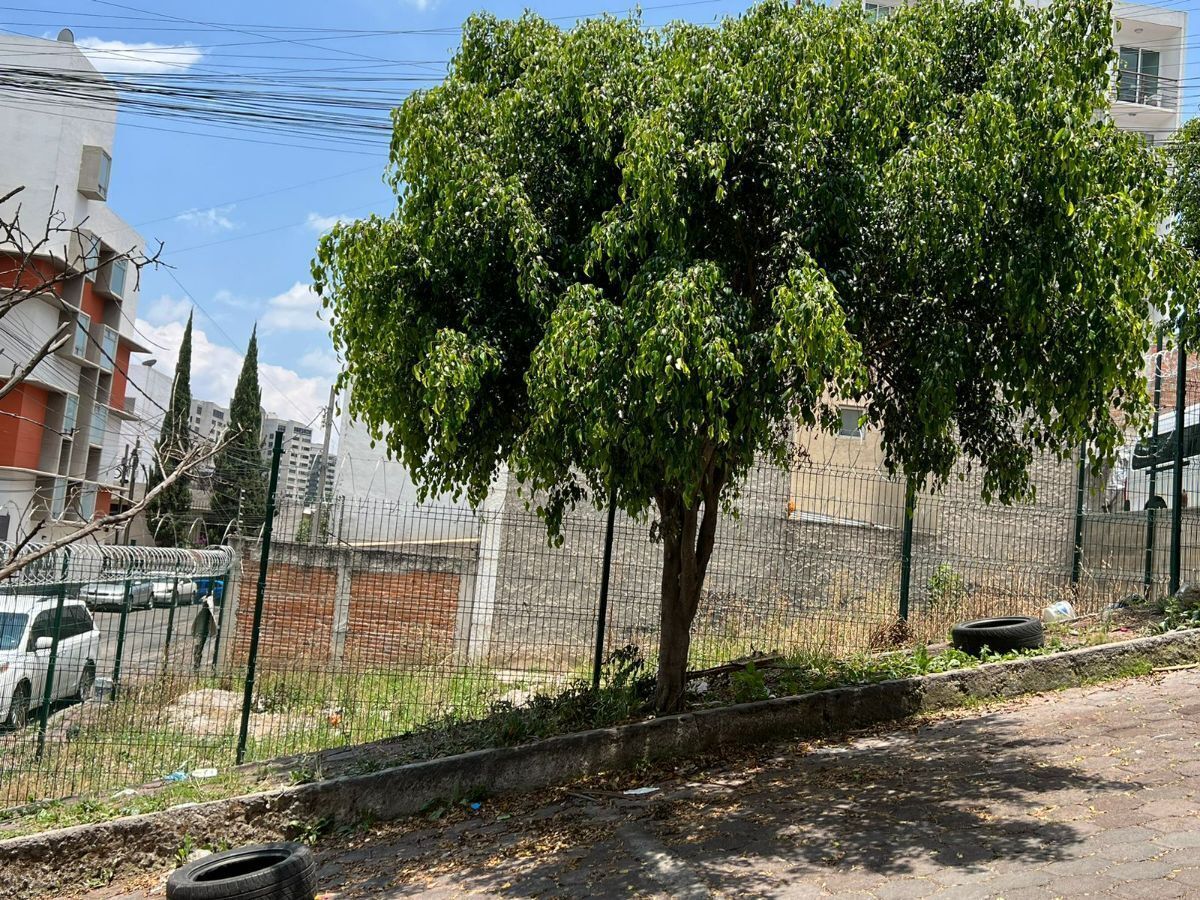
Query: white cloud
point(422, 5)
point(215, 218)
point(294, 310)
point(321, 224)
point(215, 369)
point(120, 56)
point(168, 309)
point(321, 362)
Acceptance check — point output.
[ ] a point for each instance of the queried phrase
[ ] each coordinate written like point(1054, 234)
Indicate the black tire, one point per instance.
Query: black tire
point(1000, 635)
point(18, 710)
point(282, 871)
point(87, 682)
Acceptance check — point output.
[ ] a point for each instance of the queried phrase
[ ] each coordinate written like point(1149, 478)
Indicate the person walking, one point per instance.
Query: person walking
point(203, 625)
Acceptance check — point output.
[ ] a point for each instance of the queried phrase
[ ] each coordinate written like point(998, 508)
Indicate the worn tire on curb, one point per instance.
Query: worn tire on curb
point(282, 871)
point(1000, 635)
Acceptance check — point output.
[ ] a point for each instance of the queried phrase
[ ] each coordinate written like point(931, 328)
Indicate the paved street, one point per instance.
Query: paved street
point(145, 637)
point(1083, 793)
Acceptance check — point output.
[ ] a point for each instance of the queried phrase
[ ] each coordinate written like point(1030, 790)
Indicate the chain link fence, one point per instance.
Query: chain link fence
point(365, 619)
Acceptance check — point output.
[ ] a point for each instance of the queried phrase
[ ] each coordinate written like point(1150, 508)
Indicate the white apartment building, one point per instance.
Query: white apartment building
point(297, 457)
point(209, 420)
point(60, 430)
point(149, 397)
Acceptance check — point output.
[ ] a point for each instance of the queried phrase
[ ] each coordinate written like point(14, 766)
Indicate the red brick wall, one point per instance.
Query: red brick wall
point(400, 617)
point(394, 617)
point(117, 395)
point(92, 303)
point(20, 426)
point(297, 623)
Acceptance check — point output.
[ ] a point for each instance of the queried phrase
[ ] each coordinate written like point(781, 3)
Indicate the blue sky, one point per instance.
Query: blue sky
point(240, 211)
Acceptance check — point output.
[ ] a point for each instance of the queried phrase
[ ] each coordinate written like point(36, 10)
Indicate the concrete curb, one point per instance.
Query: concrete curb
point(54, 861)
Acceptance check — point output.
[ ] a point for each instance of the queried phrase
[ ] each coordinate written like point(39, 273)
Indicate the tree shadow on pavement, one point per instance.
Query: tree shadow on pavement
point(941, 802)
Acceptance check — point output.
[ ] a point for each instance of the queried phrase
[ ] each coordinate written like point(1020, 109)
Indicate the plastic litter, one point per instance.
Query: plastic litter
point(128, 792)
point(179, 775)
point(204, 773)
point(475, 807)
point(1058, 612)
point(640, 792)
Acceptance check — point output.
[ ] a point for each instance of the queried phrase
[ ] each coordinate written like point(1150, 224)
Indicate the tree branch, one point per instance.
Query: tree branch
point(55, 341)
point(189, 462)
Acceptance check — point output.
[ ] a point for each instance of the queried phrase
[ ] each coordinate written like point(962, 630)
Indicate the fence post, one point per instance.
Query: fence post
point(1151, 511)
point(259, 593)
point(171, 623)
point(910, 507)
point(1177, 487)
point(52, 664)
point(229, 606)
point(1080, 493)
point(125, 598)
point(602, 613)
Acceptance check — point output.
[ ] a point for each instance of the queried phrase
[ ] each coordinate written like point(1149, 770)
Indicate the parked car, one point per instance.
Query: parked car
point(26, 636)
point(109, 596)
point(163, 590)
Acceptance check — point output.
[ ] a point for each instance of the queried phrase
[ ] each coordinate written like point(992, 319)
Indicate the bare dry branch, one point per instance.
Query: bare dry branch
point(57, 340)
point(187, 464)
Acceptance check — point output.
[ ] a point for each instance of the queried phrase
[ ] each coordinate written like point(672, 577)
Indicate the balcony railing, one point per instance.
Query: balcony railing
point(1148, 90)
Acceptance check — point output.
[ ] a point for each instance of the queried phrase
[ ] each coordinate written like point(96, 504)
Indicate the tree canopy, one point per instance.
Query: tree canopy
point(631, 260)
point(238, 485)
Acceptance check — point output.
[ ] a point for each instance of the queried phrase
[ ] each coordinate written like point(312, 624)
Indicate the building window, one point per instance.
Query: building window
point(118, 269)
point(1138, 81)
point(877, 11)
point(58, 498)
point(70, 414)
point(99, 424)
point(851, 426)
point(83, 325)
point(89, 254)
point(87, 502)
point(108, 356)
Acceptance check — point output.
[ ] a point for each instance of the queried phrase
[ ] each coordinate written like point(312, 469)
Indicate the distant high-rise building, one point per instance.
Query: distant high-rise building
point(297, 458)
point(327, 461)
point(208, 420)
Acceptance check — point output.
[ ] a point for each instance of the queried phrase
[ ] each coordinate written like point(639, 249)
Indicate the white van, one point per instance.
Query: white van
point(1158, 456)
point(26, 636)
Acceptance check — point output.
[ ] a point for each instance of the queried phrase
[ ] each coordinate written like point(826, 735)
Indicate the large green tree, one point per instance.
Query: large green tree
point(238, 485)
point(170, 512)
point(629, 260)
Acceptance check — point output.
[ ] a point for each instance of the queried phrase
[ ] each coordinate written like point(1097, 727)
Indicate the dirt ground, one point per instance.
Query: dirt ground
point(1091, 792)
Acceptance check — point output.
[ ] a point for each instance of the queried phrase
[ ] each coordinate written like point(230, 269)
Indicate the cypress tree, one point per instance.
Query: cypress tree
point(169, 513)
point(238, 468)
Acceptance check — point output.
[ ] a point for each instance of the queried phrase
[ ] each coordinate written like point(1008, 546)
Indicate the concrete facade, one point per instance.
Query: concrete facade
point(60, 446)
point(297, 455)
point(209, 420)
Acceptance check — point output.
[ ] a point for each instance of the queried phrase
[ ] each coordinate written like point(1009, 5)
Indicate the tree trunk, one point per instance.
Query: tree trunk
point(687, 546)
